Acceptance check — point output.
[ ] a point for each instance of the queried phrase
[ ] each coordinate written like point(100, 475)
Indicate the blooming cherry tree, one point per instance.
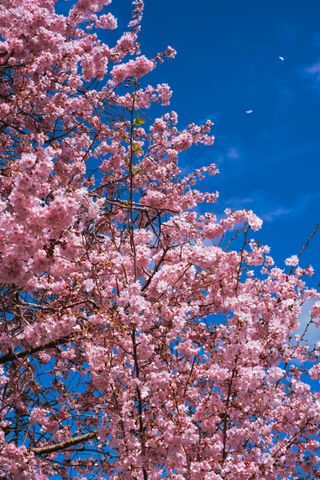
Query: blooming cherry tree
point(140, 338)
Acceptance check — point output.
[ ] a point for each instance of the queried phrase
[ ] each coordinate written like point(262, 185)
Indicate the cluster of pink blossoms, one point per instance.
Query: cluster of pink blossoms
point(134, 68)
point(143, 335)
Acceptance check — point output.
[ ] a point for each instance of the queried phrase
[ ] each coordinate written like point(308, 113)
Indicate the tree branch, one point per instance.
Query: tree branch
point(14, 356)
point(63, 445)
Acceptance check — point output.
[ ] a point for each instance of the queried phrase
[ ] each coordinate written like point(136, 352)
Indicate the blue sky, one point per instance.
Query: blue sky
point(228, 63)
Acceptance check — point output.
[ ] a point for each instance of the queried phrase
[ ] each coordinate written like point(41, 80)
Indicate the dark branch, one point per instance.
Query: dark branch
point(14, 356)
point(64, 445)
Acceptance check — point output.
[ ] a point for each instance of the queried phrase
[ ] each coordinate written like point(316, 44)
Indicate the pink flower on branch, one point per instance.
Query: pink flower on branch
point(142, 333)
point(134, 68)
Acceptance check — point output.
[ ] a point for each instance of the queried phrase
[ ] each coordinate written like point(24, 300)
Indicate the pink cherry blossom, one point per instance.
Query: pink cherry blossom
point(292, 261)
point(134, 68)
point(144, 334)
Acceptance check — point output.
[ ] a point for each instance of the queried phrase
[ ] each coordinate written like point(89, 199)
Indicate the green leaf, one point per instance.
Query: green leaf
point(136, 148)
point(139, 120)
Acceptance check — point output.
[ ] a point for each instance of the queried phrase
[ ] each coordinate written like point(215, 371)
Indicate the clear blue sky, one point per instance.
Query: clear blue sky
point(228, 63)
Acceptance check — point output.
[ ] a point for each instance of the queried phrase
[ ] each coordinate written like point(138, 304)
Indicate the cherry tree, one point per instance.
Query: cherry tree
point(143, 336)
